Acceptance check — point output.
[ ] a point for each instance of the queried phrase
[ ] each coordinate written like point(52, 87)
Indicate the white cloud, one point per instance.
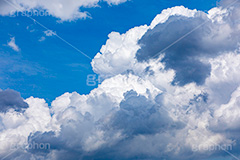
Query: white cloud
point(118, 54)
point(13, 45)
point(115, 2)
point(49, 33)
point(64, 10)
point(178, 11)
point(18, 126)
point(42, 39)
point(137, 111)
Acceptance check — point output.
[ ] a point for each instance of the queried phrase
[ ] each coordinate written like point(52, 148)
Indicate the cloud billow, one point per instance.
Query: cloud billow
point(186, 55)
point(140, 114)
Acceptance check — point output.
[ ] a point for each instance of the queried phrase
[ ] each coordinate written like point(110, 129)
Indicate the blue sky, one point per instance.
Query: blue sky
point(169, 70)
point(54, 67)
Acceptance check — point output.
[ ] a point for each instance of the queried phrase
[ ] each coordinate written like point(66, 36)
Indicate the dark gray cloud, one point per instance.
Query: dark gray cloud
point(146, 127)
point(11, 99)
point(139, 115)
point(209, 40)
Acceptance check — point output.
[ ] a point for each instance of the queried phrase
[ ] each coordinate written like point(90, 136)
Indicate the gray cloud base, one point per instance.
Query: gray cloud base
point(10, 99)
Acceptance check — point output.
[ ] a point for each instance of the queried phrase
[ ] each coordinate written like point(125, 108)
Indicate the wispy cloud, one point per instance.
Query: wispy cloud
point(42, 39)
point(13, 45)
point(49, 33)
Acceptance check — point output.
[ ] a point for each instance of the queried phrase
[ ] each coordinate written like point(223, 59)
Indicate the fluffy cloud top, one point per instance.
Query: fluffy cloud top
point(218, 35)
point(119, 52)
point(182, 104)
point(65, 10)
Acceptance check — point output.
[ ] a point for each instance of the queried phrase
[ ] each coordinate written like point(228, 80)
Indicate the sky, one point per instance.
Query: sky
point(51, 67)
point(119, 79)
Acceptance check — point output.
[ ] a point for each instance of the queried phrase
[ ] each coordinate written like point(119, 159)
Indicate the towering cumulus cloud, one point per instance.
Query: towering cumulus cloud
point(171, 90)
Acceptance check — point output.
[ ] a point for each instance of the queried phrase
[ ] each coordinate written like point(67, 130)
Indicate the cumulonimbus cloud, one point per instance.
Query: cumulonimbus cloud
point(137, 112)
